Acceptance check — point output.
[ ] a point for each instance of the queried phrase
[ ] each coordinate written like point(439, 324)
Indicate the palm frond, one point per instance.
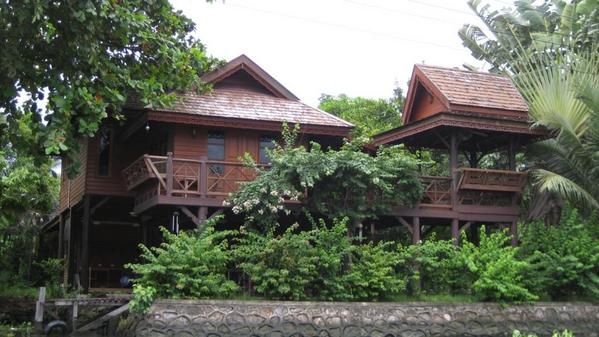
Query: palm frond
point(554, 182)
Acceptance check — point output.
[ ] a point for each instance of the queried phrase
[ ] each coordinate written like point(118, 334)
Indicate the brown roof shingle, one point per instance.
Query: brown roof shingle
point(247, 104)
point(475, 89)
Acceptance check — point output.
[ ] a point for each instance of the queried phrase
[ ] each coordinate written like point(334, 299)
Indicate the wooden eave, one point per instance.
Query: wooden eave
point(227, 122)
point(465, 121)
point(243, 62)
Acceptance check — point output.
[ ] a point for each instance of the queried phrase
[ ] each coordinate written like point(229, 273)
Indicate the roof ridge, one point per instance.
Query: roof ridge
point(422, 65)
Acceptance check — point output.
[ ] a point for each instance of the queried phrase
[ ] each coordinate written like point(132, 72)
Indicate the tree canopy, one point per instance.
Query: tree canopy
point(549, 26)
point(76, 62)
point(370, 116)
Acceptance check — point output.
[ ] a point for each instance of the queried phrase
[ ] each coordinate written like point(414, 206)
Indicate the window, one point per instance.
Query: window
point(216, 150)
point(104, 156)
point(266, 143)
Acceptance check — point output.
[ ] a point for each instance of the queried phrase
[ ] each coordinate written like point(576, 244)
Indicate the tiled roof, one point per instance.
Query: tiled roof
point(475, 89)
point(247, 104)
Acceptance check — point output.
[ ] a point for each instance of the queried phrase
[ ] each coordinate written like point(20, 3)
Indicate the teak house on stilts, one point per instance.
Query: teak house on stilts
point(175, 166)
point(467, 115)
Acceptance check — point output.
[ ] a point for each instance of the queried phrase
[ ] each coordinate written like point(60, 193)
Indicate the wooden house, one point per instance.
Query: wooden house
point(467, 115)
point(173, 167)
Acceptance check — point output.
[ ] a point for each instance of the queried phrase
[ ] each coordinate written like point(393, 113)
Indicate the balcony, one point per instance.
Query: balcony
point(176, 181)
point(477, 190)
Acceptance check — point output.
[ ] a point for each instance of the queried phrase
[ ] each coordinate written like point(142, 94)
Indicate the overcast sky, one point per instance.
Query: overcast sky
point(356, 47)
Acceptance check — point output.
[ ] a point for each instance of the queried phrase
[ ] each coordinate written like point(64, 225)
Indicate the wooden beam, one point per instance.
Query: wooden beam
point(169, 174)
point(514, 233)
point(192, 216)
point(85, 224)
point(453, 165)
point(455, 231)
point(133, 127)
point(405, 224)
point(99, 204)
point(511, 154)
point(98, 322)
point(466, 226)
point(60, 253)
point(39, 309)
point(443, 140)
point(416, 230)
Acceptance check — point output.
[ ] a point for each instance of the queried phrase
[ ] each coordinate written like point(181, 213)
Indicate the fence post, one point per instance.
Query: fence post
point(169, 174)
point(39, 309)
point(203, 177)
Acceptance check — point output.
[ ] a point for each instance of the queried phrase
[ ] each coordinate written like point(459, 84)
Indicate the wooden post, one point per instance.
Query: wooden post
point(39, 309)
point(203, 177)
point(84, 270)
point(372, 229)
point(169, 174)
point(60, 253)
point(511, 155)
point(514, 233)
point(74, 315)
point(455, 231)
point(202, 215)
point(416, 230)
point(453, 165)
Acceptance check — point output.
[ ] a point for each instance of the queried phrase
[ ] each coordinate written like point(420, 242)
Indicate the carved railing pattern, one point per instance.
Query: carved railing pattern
point(491, 180)
point(184, 177)
point(437, 190)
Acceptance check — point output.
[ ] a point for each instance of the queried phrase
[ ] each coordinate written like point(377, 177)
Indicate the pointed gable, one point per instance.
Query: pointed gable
point(245, 95)
point(244, 73)
point(436, 90)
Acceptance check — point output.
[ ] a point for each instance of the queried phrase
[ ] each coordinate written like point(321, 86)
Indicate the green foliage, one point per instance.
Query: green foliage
point(547, 26)
point(563, 96)
point(143, 297)
point(372, 275)
point(370, 116)
point(497, 273)
point(564, 259)
point(21, 330)
point(339, 183)
point(48, 271)
point(85, 59)
point(313, 264)
point(435, 265)
point(188, 265)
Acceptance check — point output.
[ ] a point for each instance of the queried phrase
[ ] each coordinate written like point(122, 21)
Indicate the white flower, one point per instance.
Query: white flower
point(375, 180)
point(226, 203)
point(273, 193)
point(236, 209)
point(260, 211)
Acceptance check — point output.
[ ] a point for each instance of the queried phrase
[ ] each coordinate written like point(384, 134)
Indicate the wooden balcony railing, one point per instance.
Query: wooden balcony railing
point(185, 177)
point(491, 180)
point(437, 190)
point(475, 187)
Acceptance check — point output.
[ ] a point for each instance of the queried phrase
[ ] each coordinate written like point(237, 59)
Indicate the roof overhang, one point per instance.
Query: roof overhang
point(485, 133)
point(228, 122)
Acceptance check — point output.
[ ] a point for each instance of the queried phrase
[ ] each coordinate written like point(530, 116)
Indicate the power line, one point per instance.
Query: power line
point(346, 27)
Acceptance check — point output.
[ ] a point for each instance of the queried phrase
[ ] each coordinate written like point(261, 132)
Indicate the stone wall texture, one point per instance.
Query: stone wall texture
point(333, 319)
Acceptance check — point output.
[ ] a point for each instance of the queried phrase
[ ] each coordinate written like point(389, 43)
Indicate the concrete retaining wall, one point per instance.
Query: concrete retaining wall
point(286, 319)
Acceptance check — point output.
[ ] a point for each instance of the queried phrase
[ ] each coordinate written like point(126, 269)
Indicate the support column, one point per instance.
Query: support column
point(453, 165)
point(514, 233)
point(84, 270)
point(202, 215)
point(59, 253)
point(455, 231)
point(415, 230)
point(511, 155)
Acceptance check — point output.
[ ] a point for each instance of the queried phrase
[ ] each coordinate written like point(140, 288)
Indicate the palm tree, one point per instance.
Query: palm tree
point(563, 95)
point(551, 26)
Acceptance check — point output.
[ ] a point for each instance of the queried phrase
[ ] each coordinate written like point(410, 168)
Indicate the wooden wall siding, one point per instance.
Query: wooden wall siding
point(74, 188)
point(237, 142)
point(187, 145)
point(242, 80)
point(425, 105)
point(121, 156)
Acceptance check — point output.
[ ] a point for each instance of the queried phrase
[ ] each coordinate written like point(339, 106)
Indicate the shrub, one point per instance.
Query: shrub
point(498, 275)
point(435, 266)
point(189, 265)
point(564, 259)
point(315, 264)
point(372, 273)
